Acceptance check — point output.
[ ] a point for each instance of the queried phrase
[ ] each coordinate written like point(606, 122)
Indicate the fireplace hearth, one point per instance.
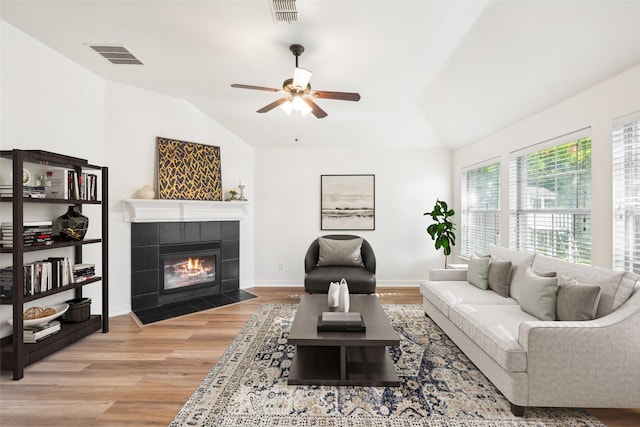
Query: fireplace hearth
point(178, 268)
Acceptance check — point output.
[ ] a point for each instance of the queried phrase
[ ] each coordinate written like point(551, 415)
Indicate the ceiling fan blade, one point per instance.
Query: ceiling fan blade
point(301, 77)
point(315, 109)
point(269, 89)
point(343, 96)
point(273, 105)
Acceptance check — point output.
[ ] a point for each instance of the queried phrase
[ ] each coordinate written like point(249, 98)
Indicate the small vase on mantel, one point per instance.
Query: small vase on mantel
point(70, 226)
point(146, 192)
point(343, 305)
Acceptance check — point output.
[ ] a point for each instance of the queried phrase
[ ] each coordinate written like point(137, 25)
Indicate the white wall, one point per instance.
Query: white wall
point(595, 108)
point(288, 208)
point(50, 103)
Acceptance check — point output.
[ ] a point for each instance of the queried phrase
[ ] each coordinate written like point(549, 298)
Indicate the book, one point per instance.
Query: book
point(32, 334)
point(347, 325)
point(341, 318)
point(57, 183)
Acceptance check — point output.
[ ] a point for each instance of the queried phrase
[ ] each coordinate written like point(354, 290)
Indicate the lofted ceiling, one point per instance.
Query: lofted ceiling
point(430, 73)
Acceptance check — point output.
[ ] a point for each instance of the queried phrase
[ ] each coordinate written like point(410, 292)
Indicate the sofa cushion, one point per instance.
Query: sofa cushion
point(499, 276)
point(520, 261)
point(538, 295)
point(478, 271)
point(576, 301)
point(615, 290)
point(340, 252)
point(446, 294)
point(495, 329)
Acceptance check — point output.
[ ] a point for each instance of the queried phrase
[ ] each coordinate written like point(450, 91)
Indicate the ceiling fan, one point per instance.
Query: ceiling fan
point(299, 96)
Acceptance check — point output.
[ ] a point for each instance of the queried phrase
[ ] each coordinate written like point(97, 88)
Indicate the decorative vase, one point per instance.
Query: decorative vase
point(146, 192)
point(343, 304)
point(334, 294)
point(71, 226)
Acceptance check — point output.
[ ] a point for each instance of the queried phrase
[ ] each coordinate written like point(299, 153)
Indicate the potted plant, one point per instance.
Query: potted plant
point(442, 229)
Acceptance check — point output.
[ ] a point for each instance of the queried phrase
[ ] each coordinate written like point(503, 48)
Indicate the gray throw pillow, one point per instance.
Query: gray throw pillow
point(538, 295)
point(340, 252)
point(576, 301)
point(499, 276)
point(478, 271)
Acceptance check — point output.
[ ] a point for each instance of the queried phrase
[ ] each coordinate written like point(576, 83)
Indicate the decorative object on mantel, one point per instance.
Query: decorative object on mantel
point(146, 192)
point(241, 186)
point(188, 171)
point(71, 226)
point(232, 194)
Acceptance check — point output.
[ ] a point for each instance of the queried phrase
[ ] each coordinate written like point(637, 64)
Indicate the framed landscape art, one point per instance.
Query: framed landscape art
point(347, 202)
point(188, 171)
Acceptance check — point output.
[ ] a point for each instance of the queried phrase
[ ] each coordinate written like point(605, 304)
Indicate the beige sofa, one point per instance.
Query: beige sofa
point(533, 362)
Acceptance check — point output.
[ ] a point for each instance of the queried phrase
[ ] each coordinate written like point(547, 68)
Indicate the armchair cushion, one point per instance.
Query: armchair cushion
point(340, 252)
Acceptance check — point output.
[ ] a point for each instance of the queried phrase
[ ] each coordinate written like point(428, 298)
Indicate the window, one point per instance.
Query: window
point(480, 216)
point(626, 193)
point(550, 198)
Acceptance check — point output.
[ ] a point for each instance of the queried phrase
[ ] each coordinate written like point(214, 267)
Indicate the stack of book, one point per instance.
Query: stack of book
point(39, 276)
point(6, 190)
point(33, 334)
point(82, 272)
point(34, 233)
point(71, 185)
point(337, 321)
point(34, 192)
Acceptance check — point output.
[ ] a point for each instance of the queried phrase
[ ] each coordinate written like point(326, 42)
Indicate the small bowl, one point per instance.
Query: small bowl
point(60, 310)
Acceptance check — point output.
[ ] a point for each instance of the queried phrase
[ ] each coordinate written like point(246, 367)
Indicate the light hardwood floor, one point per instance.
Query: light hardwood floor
point(143, 375)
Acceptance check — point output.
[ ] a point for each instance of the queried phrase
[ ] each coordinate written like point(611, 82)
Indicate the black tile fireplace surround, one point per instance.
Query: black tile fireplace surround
point(148, 301)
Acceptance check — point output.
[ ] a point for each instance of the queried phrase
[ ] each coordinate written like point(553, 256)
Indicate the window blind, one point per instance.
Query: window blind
point(480, 203)
point(626, 193)
point(550, 200)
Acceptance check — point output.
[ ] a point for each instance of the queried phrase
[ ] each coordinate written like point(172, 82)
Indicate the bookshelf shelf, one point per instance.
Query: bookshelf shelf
point(15, 354)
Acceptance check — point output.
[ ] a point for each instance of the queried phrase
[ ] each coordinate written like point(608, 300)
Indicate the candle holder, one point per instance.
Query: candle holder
point(241, 187)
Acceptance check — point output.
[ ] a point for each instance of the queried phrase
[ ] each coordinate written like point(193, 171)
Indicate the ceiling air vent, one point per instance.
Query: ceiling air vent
point(116, 54)
point(285, 11)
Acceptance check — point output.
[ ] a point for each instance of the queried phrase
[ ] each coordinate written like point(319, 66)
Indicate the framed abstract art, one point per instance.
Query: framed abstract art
point(347, 202)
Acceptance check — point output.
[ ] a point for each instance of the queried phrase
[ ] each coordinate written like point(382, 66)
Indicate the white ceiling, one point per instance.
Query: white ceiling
point(430, 73)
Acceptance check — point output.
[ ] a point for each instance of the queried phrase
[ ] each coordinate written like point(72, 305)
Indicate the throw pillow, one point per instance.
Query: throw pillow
point(576, 301)
point(499, 276)
point(538, 295)
point(340, 252)
point(478, 271)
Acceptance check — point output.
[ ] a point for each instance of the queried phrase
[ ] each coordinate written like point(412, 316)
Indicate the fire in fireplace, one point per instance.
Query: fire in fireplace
point(189, 268)
point(188, 271)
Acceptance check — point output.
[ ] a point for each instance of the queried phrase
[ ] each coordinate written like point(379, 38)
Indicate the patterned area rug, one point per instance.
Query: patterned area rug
point(439, 385)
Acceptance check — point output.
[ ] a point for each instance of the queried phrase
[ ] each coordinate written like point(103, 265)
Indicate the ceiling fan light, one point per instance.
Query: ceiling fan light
point(301, 77)
point(298, 103)
point(287, 107)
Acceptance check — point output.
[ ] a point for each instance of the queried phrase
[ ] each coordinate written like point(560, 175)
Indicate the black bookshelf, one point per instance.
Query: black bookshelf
point(15, 355)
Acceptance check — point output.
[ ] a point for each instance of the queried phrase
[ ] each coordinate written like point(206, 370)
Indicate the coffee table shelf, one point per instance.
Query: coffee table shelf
point(342, 358)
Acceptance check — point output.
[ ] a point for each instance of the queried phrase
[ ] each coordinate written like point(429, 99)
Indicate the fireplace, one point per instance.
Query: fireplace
point(188, 270)
point(181, 267)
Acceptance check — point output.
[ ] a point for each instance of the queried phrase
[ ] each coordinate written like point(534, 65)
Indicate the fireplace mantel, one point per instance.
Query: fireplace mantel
point(155, 210)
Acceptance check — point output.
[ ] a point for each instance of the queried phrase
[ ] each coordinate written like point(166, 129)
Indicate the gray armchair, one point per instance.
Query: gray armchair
point(361, 279)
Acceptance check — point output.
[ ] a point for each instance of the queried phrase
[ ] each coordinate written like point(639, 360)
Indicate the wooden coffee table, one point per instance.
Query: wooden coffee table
point(342, 358)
